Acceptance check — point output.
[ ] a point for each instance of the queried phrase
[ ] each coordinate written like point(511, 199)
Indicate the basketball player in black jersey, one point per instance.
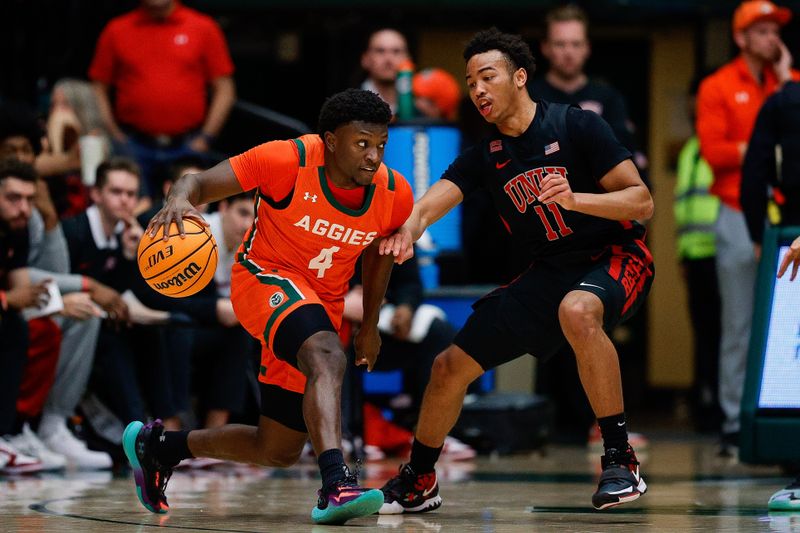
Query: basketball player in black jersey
point(569, 194)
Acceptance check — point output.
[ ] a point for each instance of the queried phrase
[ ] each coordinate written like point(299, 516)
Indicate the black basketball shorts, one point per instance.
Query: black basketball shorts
point(522, 317)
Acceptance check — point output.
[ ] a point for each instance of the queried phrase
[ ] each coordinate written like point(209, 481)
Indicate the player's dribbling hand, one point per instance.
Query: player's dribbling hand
point(792, 256)
point(174, 211)
point(400, 244)
point(367, 344)
point(555, 188)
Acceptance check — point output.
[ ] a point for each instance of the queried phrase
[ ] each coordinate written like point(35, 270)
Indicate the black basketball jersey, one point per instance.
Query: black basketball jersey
point(561, 139)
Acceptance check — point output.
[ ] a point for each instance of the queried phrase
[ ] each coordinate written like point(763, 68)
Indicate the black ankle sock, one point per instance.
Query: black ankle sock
point(331, 466)
point(614, 431)
point(423, 458)
point(172, 447)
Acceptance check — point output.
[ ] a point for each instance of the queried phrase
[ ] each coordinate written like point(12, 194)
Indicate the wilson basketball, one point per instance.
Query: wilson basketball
point(178, 267)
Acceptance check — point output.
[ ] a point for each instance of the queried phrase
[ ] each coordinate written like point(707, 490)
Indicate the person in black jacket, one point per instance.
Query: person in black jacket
point(771, 168)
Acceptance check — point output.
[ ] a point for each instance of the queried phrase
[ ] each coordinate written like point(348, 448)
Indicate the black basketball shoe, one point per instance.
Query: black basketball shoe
point(409, 492)
point(620, 481)
point(150, 476)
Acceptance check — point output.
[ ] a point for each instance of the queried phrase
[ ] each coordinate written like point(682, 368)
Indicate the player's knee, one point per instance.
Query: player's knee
point(580, 317)
point(445, 369)
point(321, 358)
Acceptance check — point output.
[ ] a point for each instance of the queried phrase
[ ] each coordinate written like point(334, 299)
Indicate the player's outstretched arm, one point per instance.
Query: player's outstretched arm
point(194, 189)
point(626, 197)
point(374, 279)
point(437, 201)
point(792, 257)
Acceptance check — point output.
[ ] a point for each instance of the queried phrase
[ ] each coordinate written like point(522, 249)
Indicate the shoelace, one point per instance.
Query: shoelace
point(396, 485)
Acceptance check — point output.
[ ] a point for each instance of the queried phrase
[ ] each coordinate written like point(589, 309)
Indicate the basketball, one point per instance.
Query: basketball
point(178, 267)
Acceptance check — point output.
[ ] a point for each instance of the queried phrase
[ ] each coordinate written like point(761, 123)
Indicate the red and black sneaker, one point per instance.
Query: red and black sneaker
point(409, 492)
point(620, 481)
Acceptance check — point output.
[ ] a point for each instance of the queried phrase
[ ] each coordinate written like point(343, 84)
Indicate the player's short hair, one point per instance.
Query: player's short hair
point(17, 119)
point(11, 167)
point(115, 163)
point(353, 105)
point(567, 13)
point(516, 51)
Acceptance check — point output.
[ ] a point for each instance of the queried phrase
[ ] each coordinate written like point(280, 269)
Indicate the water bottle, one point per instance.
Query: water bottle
point(405, 97)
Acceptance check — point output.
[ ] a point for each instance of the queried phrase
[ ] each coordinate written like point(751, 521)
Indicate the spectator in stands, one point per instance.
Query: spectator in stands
point(412, 335)
point(102, 244)
point(17, 190)
point(727, 104)
point(171, 75)
point(386, 49)
point(566, 47)
point(74, 124)
point(436, 94)
point(696, 211)
point(68, 337)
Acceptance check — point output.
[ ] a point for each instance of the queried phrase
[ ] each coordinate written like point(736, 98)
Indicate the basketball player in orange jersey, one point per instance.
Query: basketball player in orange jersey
point(322, 200)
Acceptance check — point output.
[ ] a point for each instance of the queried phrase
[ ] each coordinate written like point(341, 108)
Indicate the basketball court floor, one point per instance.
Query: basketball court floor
point(690, 489)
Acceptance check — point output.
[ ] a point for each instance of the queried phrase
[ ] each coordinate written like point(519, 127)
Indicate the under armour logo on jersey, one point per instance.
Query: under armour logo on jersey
point(312, 197)
point(742, 97)
point(162, 438)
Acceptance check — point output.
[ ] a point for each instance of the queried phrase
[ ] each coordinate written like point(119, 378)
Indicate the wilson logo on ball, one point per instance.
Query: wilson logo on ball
point(181, 278)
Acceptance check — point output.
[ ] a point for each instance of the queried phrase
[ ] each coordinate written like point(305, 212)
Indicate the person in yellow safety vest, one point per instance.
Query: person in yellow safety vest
point(696, 211)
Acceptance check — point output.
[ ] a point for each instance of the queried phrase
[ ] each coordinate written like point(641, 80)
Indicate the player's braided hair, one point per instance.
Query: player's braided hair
point(352, 105)
point(516, 50)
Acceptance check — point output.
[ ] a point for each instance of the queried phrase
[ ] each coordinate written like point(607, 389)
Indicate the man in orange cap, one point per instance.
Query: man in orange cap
point(727, 105)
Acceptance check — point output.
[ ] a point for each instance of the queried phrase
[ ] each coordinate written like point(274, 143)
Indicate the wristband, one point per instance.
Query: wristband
point(3, 301)
point(84, 284)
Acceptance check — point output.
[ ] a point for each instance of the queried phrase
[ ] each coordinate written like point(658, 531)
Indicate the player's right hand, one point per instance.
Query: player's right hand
point(400, 244)
point(792, 256)
point(174, 211)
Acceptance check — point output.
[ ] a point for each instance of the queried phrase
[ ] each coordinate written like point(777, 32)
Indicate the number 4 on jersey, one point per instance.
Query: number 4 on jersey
point(323, 261)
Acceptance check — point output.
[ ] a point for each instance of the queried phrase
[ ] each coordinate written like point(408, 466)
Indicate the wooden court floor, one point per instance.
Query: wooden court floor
point(690, 489)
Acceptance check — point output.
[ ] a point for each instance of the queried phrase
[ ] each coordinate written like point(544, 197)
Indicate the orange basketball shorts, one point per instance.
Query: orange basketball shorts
point(262, 299)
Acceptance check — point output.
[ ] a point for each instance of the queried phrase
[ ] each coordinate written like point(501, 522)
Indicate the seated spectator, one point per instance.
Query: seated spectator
point(17, 190)
point(412, 335)
point(48, 258)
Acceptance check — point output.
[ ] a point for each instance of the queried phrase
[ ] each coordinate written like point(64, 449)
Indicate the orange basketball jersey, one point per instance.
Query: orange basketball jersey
point(309, 232)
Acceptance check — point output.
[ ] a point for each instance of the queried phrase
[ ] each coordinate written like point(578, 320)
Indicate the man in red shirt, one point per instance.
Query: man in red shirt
point(727, 105)
point(162, 60)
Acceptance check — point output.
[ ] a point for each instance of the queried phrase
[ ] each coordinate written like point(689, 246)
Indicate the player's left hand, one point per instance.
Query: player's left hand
point(367, 344)
point(555, 188)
